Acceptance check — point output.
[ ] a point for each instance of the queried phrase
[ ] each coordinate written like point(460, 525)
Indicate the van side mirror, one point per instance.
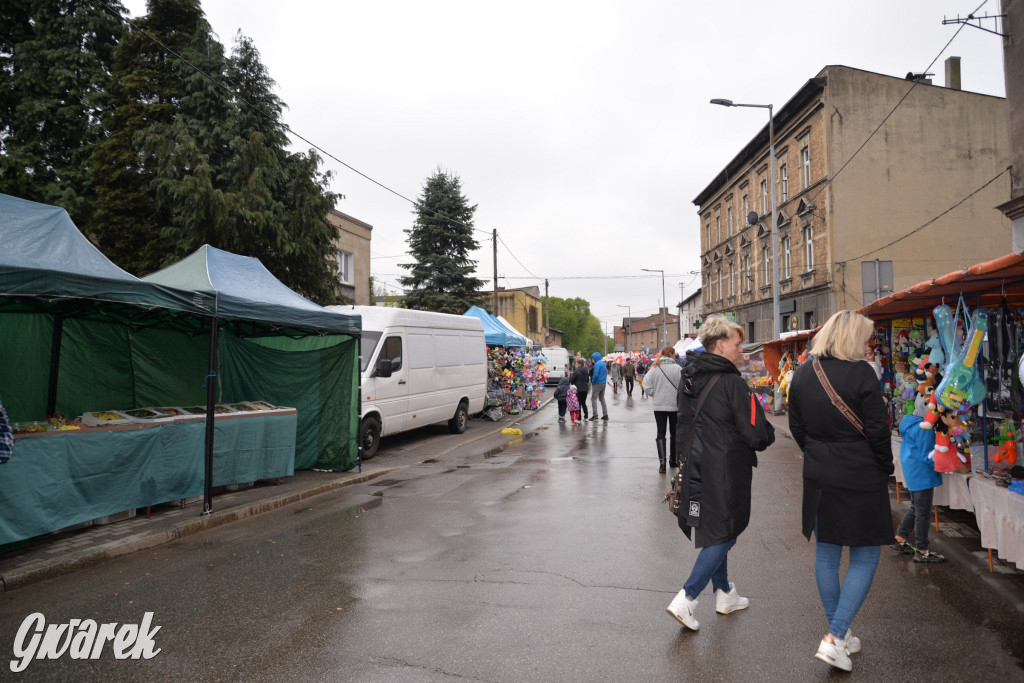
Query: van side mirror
point(383, 367)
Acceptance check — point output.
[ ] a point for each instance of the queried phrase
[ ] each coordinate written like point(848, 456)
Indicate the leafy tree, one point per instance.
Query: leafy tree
point(440, 241)
point(581, 330)
point(55, 72)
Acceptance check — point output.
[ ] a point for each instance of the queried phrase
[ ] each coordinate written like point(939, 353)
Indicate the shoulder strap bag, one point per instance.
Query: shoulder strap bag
point(675, 496)
point(675, 387)
point(839, 403)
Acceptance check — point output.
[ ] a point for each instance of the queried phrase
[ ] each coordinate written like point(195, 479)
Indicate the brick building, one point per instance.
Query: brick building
point(852, 232)
point(636, 333)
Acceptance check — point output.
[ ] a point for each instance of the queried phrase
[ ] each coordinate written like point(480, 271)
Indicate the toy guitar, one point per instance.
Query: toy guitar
point(960, 388)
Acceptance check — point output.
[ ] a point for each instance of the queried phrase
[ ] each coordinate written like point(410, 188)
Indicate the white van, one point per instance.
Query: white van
point(558, 363)
point(417, 368)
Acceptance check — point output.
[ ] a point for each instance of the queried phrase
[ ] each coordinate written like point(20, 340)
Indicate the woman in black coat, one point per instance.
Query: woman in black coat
point(581, 378)
point(718, 467)
point(846, 474)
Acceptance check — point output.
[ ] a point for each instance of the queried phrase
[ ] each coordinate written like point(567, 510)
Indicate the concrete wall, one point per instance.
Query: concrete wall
point(938, 147)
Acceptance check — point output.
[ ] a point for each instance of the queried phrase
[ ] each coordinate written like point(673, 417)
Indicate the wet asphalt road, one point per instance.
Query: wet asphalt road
point(552, 560)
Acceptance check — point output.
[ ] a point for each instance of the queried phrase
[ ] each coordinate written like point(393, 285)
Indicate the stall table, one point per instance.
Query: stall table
point(57, 479)
point(1000, 516)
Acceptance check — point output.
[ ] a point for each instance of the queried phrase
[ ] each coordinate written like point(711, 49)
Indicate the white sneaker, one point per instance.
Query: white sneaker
point(682, 610)
point(731, 601)
point(836, 656)
point(852, 643)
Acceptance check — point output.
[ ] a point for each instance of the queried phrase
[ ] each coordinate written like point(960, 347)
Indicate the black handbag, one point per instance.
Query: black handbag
point(675, 495)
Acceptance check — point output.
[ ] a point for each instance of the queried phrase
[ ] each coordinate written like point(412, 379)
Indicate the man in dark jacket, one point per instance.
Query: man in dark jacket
point(718, 467)
point(628, 373)
point(562, 395)
point(581, 378)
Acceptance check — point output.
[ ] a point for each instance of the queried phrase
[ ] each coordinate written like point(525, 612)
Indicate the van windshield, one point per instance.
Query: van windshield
point(367, 343)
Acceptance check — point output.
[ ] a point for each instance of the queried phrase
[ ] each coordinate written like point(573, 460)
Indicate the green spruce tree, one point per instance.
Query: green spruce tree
point(440, 240)
point(55, 70)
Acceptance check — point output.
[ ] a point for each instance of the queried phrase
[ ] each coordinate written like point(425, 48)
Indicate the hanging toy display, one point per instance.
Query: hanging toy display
point(515, 379)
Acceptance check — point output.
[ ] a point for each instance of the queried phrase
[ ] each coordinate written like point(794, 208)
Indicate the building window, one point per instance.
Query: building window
point(750, 331)
point(786, 322)
point(345, 274)
point(707, 229)
point(785, 257)
point(732, 226)
point(764, 197)
point(746, 208)
point(808, 248)
point(784, 178)
point(718, 227)
point(808, 320)
point(748, 279)
point(767, 264)
point(732, 281)
point(719, 283)
point(805, 161)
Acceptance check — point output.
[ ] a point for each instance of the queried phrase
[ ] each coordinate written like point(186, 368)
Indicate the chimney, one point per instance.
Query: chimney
point(953, 73)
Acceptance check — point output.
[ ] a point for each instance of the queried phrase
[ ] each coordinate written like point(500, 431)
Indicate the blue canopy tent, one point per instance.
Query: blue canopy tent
point(495, 334)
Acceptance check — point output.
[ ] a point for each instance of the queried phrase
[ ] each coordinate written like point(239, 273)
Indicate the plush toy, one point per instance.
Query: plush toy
point(1007, 444)
point(959, 436)
point(934, 410)
point(909, 384)
point(935, 354)
point(944, 455)
point(902, 346)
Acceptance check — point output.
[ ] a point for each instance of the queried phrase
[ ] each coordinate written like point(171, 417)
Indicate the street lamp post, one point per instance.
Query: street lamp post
point(776, 326)
point(629, 329)
point(664, 311)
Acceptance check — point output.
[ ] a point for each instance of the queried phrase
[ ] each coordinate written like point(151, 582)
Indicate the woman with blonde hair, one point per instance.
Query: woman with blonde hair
point(717, 467)
point(838, 418)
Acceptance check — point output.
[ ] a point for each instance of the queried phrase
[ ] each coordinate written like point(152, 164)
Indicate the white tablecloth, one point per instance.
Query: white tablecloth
point(1000, 516)
point(953, 492)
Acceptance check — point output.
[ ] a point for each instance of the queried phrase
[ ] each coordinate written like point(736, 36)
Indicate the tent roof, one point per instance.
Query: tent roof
point(982, 285)
point(244, 290)
point(46, 263)
point(514, 331)
point(495, 334)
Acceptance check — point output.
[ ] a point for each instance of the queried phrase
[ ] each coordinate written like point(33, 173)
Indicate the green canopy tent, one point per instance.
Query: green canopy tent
point(77, 333)
point(266, 351)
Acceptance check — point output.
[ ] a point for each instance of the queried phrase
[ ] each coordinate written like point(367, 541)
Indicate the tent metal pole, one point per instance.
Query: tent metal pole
point(211, 400)
point(58, 333)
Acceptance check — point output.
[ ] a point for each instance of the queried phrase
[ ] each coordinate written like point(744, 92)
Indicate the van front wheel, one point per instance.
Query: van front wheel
point(369, 436)
point(457, 425)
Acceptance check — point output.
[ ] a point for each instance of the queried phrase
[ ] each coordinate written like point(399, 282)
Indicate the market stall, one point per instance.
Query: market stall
point(495, 333)
point(954, 344)
point(78, 334)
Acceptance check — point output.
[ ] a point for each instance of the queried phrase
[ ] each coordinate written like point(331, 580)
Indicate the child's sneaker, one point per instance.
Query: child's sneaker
point(903, 547)
point(928, 556)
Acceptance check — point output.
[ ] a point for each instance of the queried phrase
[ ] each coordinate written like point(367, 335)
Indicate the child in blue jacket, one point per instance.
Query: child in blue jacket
point(921, 479)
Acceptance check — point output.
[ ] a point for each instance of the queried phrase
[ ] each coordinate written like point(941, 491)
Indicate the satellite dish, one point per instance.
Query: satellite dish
point(752, 217)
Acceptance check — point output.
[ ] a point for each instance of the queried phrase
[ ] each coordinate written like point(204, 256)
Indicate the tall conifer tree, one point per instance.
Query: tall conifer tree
point(440, 241)
point(55, 63)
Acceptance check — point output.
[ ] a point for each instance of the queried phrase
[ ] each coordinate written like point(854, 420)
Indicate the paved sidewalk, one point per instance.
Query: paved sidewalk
point(958, 538)
point(64, 552)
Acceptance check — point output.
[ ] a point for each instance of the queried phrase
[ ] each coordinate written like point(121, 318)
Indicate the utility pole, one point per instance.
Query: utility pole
point(547, 316)
point(494, 242)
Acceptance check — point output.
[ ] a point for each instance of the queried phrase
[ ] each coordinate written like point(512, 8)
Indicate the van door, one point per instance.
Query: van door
point(392, 393)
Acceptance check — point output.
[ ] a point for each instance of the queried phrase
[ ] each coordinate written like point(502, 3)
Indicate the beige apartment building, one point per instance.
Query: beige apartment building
point(859, 215)
point(353, 243)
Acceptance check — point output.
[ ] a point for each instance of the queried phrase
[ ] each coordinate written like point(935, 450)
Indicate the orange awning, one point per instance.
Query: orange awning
point(982, 285)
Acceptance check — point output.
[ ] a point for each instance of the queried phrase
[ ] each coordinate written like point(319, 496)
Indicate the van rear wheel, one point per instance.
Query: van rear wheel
point(457, 425)
point(369, 436)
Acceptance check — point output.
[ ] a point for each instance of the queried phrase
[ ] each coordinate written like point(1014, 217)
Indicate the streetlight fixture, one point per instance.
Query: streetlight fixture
point(776, 326)
point(629, 329)
point(664, 311)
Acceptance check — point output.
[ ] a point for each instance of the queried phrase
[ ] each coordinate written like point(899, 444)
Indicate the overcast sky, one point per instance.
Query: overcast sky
point(582, 130)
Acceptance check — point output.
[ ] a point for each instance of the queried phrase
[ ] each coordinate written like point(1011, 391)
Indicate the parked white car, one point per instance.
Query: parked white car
point(417, 368)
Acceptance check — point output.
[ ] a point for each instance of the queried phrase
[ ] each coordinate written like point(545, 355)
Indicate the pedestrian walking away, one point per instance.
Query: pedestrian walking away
point(614, 375)
point(838, 418)
point(718, 465)
point(663, 386)
point(641, 372)
point(921, 479)
point(628, 373)
point(562, 395)
point(581, 380)
point(597, 387)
